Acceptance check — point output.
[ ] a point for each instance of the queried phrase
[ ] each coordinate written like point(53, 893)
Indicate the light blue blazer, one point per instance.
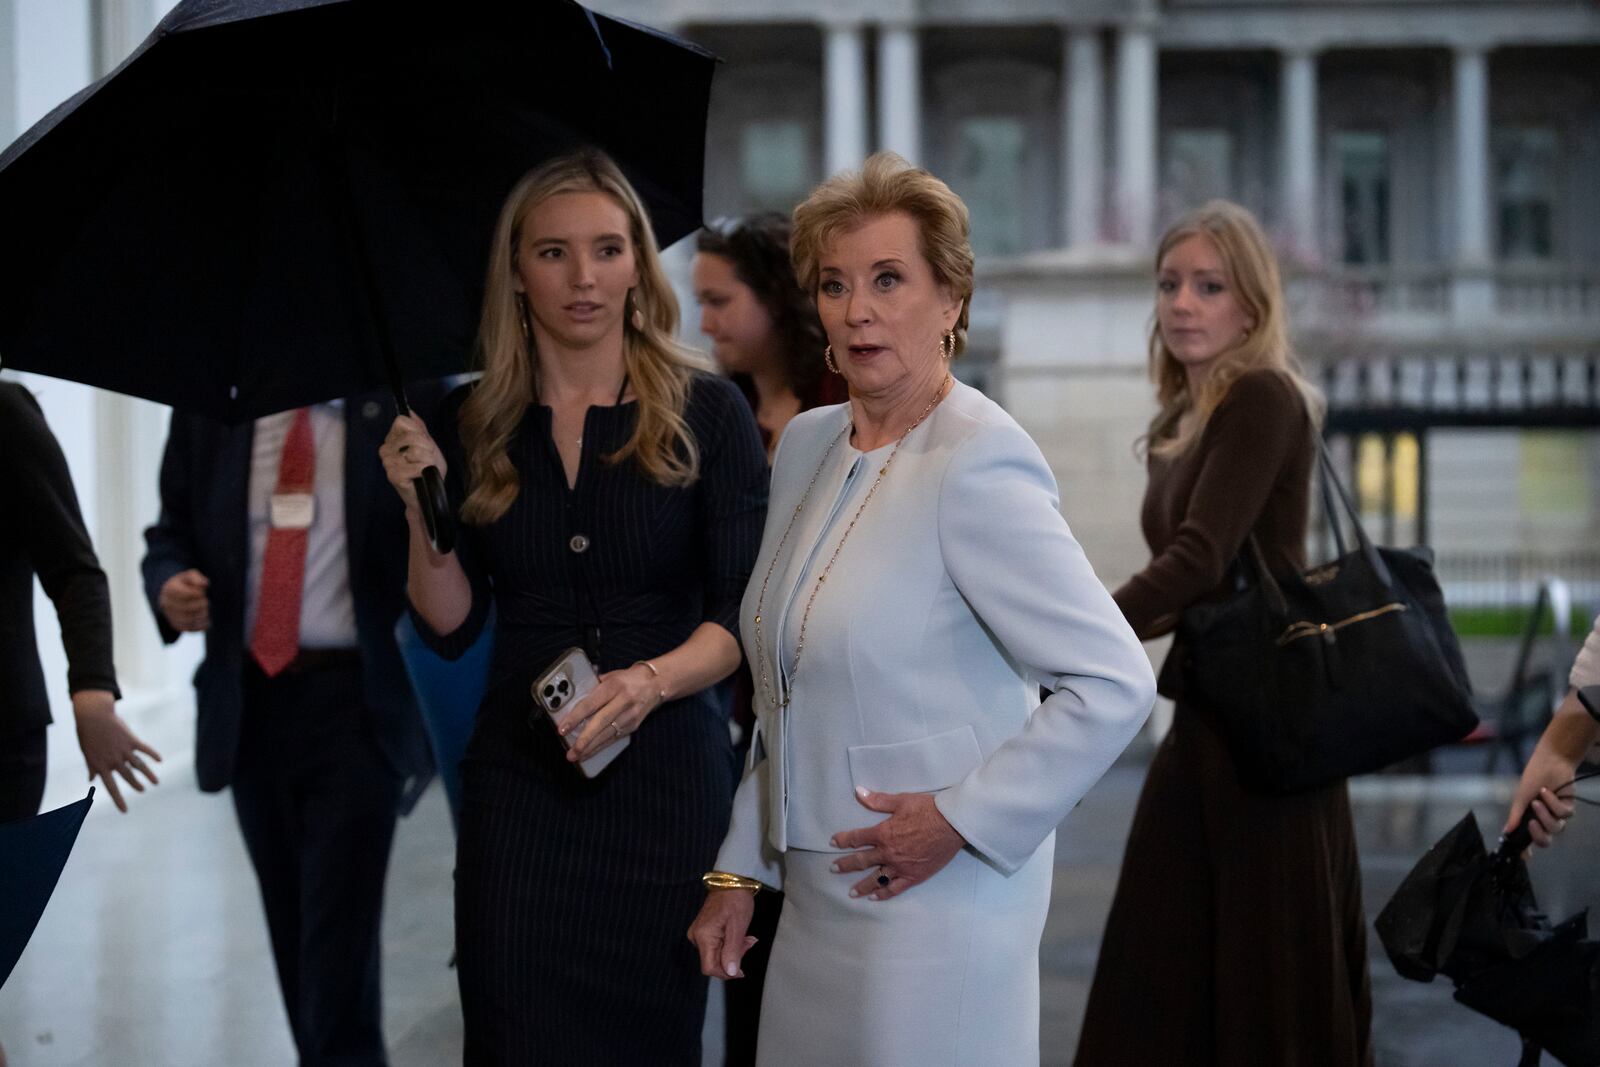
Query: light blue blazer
point(960, 592)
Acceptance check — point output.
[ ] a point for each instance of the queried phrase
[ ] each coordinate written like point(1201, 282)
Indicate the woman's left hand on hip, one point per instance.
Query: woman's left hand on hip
point(910, 846)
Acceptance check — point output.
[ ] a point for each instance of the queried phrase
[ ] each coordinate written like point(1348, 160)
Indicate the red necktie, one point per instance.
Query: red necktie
point(276, 639)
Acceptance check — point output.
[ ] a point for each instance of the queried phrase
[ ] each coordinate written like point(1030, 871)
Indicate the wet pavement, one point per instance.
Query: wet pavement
point(154, 950)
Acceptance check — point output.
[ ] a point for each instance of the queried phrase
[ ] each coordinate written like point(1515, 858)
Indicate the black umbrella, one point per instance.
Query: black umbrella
point(276, 202)
point(1551, 995)
point(33, 852)
point(1472, 916)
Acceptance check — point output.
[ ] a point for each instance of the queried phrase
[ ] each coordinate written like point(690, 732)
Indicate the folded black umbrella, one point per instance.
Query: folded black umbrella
point(33, 852)
point(277, 202)
point(1551, 995)
point(1472, 916)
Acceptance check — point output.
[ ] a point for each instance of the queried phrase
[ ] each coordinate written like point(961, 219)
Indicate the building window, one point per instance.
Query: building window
point(1362, 158)
point(1388, 475)
point(990, 175)
point(1198, 166)
point(775, 163)
point(1526, 164)
point(1554, 479)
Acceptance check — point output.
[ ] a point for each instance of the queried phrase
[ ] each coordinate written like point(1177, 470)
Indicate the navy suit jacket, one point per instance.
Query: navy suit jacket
point(204, 524)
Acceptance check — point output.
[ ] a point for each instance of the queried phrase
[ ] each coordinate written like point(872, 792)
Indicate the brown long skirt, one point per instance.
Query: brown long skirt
point(1237, 935)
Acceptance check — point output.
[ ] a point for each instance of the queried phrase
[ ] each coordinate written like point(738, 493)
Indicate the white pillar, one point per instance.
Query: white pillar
point(1297, 140)
point(1472, 156)
point(845, 97)
point(900, 91)
point(9, 127)
point(1136, 134)
point(119, 26)
point(1084, 109)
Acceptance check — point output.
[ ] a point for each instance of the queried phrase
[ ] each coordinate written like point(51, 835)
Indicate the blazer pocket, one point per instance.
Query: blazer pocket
point(925, 765)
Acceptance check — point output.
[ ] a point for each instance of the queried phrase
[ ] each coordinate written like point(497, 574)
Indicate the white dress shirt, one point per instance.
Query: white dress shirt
point(327, 610)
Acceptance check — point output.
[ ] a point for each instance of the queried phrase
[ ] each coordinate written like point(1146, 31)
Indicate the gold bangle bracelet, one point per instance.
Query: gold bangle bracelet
point(725, 880)
point(661, 690)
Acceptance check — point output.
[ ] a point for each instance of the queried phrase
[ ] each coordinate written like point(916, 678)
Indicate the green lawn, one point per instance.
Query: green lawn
point(1509, 622)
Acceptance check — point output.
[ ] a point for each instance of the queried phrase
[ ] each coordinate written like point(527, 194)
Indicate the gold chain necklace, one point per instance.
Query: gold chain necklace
point(761, 598)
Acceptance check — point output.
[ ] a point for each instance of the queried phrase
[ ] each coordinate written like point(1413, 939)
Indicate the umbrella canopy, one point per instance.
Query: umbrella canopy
point(269, 196)
point(1471, 915)
point(1550, 996)
point(33, 852)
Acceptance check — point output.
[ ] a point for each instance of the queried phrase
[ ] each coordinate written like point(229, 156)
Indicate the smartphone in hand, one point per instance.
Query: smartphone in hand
point(571, 678)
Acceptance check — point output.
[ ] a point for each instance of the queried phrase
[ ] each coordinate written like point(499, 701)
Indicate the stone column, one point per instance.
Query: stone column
point(1472, 290)
point(900, 91)
point(1083, 149)
point(1471, 71)
point(844, 97)
point(1135, 197)
point(1298, 210)
point(8, 72)
point(117, 27)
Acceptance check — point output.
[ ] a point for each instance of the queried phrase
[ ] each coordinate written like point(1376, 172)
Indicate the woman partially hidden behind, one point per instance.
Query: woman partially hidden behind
point(915, 585)
point(1237, 934)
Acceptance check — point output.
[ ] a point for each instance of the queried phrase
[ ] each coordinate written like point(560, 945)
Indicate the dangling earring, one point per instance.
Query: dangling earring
point(827, 357)
point(947, 346)
point(637, 316)
point(522, 317)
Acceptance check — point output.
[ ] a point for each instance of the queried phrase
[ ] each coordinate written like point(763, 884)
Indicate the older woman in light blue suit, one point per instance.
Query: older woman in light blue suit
point(916, 585)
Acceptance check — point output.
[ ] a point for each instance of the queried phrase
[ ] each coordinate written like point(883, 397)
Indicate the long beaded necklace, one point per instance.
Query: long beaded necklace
point(761, 598)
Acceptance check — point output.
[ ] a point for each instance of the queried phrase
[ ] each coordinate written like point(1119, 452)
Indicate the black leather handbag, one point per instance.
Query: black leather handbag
point(1343, 669)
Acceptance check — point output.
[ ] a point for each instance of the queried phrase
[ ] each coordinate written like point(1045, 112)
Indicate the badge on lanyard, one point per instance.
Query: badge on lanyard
point(293, 511)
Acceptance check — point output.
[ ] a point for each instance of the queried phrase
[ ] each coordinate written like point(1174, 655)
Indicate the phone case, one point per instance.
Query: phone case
point(571, 678)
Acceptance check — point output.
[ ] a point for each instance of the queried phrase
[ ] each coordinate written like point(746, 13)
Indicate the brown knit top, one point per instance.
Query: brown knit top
point(1249, 471)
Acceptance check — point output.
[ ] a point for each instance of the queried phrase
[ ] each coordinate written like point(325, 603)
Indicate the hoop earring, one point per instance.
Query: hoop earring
point(947, 346)
point(827, 358)
point(637, 315)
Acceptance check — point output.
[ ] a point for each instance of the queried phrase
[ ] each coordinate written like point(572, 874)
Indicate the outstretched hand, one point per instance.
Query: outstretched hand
point(109, 747)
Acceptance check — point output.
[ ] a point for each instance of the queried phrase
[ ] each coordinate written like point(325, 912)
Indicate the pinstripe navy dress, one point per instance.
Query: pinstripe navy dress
point(573, 896)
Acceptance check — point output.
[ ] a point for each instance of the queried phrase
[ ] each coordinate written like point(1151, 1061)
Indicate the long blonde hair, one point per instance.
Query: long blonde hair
point(659, 369)
point(1252, 274)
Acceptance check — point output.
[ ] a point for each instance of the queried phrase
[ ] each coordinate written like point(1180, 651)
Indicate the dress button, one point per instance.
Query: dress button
point(579, 543)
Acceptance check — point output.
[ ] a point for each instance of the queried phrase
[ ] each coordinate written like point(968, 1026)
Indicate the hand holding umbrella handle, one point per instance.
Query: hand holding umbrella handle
point(434, 503)
point(1519, 840)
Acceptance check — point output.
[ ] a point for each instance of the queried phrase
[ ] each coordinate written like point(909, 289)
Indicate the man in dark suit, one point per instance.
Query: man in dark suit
point(43, 534)
point(283, 542)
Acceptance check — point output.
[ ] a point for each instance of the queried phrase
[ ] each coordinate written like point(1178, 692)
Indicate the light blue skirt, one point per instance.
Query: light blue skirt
point(947, 973)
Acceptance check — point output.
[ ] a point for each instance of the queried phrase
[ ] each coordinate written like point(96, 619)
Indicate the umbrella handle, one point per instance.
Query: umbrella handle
point(434, 503)
point(1518, 840)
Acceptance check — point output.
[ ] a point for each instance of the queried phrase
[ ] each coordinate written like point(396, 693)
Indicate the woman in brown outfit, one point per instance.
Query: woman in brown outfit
point(1237, 935)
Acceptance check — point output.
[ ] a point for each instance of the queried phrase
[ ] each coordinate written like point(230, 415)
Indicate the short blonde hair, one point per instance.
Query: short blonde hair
point(1252, 273)
point(884, 185)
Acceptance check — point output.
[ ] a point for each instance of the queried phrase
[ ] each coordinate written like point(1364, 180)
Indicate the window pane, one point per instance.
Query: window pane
point(1555, 473)
point(1363, 161)
point(1199, 166)
point(989, 177)
point(774, 164)
point(1526, 166)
